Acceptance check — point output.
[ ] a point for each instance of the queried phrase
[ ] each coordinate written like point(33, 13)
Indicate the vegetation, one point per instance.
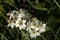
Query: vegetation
point(47, 11)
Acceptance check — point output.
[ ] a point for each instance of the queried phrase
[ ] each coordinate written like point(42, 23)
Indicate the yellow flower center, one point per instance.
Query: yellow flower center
point(34, 18)
point(34, 31)
point(20, 23)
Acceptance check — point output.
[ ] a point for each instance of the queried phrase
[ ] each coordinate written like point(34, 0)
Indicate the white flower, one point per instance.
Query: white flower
point(32, 25)
point(11, 25)
point(28, 29)
point(34, 33)
point(42, 28)
point(21, 24)
point(21, 13)
point(12, 14)
point(35, 26)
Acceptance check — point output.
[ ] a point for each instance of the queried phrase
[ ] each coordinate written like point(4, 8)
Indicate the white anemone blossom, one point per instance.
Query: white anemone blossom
point(12, 14)
point(11, 24)
point(30, 26)
point(21, 24)
point(21, 13)
point(34, 33)
point(42, 27)
point(35, 23)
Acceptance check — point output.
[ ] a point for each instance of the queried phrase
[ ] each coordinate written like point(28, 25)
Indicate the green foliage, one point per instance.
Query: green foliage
point(47, 11)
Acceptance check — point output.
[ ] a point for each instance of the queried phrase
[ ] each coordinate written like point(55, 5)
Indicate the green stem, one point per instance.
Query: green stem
point(43, 37)
point(14, 6)
point(28, 36)
point(54, 33)
point(3, 16)
point(58, 31)
point(57, 3)
point(39, 8)
point(3, 36)
point(2, 10)
point(25, 35)
point(9, 31)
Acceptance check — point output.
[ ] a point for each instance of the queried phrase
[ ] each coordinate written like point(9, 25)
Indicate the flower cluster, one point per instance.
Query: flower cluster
point(22, 19)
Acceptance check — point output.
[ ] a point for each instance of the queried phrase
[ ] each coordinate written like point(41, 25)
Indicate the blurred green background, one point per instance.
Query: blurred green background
point(47, 11)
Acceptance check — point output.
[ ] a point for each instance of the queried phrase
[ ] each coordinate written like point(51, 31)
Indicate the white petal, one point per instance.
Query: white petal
point(36, 29)
point(38, 34)
point(19, 16)
point(17, 25)
point(8, 14)
point(20, 28)
point(18, 19)
point(42, 30)
point(8, 25)
point(32, 27)
point(44, 25)
point(31, 35)
point(24, 21)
